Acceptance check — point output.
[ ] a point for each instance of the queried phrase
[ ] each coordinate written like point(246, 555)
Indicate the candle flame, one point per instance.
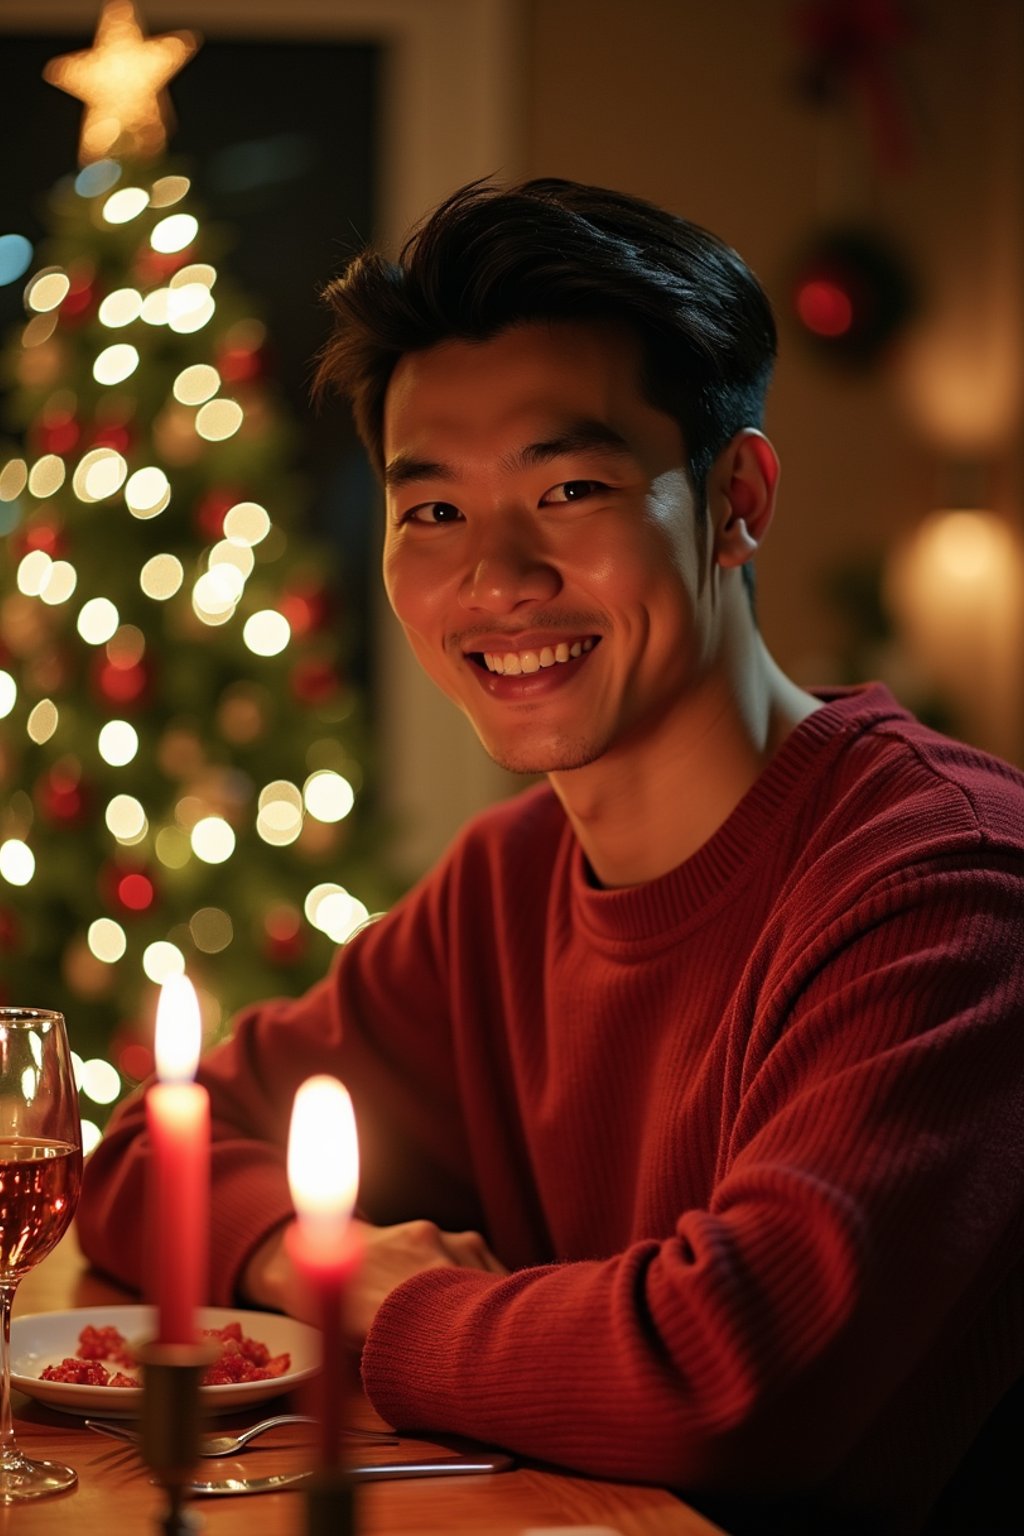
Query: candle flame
point(178, 1031)
point(323, 1152)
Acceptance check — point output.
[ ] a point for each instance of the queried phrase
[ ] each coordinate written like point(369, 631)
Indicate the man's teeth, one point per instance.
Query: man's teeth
point(512, 663)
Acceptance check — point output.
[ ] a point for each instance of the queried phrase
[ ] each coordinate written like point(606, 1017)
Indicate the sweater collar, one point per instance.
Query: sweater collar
point(656, 912)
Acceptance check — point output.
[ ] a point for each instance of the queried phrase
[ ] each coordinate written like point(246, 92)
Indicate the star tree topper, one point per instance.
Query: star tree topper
point(121, 79)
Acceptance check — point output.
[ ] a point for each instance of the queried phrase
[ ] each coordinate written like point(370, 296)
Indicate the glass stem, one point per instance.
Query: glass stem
point(8, 1448)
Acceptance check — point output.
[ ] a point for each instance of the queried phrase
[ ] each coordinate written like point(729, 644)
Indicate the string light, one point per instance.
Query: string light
point(328, 796)
point(118, 742)
point(147, 492)
point(162, 960)
point(116, 363)
point(13, 479)
point(334, 911)
point(174, 233)
point(106, 940)
point(169, 189)
point(98, 620)
point(47, 476)
point(124, 205)
point(156, 307)
point(100, 1081)
point(33, 571)
point(47, 290)
point(17, 861)
point(100, 473)
point(267, 633)
point(43, 721)
point(246, 523)
point(212, 930)
point(189, 308)
point(213, 840)
point(196, 384)
point(218, 419)
point(126, 820)
point(279, 818)
point(61, 581)
point(161, 577)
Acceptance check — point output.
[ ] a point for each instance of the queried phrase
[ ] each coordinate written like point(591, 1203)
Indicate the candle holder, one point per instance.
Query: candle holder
point(330, 1500)
point(172, 1425)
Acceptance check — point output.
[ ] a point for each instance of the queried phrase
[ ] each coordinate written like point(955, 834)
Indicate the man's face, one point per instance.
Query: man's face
point(541, 551)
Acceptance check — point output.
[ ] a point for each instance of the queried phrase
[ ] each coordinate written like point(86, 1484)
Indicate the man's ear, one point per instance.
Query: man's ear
point(744, 480)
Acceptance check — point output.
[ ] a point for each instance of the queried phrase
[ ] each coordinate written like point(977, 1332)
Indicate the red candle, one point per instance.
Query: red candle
point(178, 1116)
point(323, 1175)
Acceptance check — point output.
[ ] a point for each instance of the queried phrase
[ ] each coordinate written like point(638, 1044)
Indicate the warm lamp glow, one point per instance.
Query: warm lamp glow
point(323, 1154)
point(178, 1031)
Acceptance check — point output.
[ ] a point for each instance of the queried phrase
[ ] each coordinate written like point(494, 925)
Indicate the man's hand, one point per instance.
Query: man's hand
point(390, 1256)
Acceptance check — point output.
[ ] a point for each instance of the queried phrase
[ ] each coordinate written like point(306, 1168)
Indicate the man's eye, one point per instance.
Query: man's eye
point(572, 490)
point(432, 513)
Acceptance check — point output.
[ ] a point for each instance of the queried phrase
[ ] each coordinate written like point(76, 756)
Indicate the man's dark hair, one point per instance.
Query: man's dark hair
point(491, 257)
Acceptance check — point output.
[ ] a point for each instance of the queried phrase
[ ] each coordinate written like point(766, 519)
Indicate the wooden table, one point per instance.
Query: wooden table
point(114, 1494)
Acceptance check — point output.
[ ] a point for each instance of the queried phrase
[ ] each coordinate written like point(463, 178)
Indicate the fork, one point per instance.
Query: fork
point(228, 1445)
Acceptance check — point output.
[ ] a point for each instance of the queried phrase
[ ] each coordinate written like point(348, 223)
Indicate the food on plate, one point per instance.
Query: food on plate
point(239, 1359)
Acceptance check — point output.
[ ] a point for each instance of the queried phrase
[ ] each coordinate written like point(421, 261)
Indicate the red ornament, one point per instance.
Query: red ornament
point(80, 298)
point(113, 434)
point(45, 536)
point(121, 683)
point(62, 796)
point(127, 888)
point(58, 432)
point(306, 608)
point(314, 682)
point(241, 365)
point(285, 943)
point(10, 931)
point(134, 1059)
point(135, 892)
point(152, 267)
point(211, 510)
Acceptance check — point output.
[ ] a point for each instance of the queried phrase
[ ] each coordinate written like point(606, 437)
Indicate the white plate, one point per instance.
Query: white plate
point(45, 1338)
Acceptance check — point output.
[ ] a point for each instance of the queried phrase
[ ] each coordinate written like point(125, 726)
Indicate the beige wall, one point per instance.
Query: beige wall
point(692, 105)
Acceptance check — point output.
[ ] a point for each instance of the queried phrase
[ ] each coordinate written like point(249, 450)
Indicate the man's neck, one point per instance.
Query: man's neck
point(648, 807)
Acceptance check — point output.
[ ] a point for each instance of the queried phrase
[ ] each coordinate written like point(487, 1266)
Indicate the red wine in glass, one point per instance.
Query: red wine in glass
point(40, 1175)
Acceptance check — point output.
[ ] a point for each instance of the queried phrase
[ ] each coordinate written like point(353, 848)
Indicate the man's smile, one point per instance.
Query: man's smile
point(515, 662)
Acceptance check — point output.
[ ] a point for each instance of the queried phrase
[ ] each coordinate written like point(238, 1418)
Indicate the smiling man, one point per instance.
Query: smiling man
point(689, 1083)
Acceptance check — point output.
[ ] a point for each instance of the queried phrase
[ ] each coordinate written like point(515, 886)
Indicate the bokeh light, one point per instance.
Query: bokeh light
point(267, 633)
point(118, 743)
point(161, 577)
point(98, 620)
point(107, 940)
point(124, 205)
point(213, 840)
point(174, 233)
point(161, 960)
point(17, 861)
point(328, 796)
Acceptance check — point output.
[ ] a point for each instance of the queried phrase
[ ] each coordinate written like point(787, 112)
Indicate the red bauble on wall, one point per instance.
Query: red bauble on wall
point(852, 295)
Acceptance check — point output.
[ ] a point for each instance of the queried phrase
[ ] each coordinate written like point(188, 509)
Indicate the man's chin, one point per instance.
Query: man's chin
point(529, 758)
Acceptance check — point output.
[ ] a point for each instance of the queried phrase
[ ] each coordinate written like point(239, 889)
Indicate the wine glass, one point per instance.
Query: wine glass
point(40, 1176)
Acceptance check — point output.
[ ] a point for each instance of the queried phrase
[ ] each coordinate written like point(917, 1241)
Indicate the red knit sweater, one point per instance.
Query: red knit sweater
point(750, 1136)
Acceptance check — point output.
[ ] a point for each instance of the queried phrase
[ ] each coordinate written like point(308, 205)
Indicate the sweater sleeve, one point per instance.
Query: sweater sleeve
point(378, 1021)
point(866, 1203)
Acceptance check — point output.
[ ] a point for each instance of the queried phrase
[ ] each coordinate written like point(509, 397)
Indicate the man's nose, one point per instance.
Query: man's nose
point(508, 567)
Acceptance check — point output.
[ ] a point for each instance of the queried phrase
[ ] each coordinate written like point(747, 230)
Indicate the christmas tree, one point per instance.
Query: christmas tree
point(180, 751)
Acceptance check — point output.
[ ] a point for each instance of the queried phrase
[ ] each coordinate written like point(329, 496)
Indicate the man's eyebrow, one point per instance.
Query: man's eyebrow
point(404, 469)
point(580, 437)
